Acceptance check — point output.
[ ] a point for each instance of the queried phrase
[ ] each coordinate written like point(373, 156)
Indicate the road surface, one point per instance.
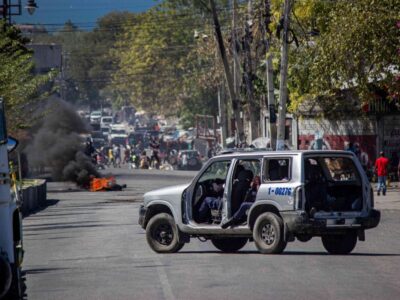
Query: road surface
point(89, 246)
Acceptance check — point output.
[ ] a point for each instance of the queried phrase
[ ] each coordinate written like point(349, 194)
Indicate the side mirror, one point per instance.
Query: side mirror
point(12, 144)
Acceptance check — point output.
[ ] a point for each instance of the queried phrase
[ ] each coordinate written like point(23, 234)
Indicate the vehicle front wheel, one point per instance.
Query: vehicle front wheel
point(229, 245)
point(162, 234)
point(339, 244)
point(268, 234)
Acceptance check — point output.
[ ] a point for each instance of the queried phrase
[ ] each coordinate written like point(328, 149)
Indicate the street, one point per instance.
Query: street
point(89, 246)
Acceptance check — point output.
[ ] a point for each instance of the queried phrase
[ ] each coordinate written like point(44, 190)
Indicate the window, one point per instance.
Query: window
point(217, 170)
point(341, 168)
point(253, 165)
point(277, 169)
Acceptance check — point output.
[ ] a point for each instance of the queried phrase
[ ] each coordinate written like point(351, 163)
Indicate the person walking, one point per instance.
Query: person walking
point(381, 169)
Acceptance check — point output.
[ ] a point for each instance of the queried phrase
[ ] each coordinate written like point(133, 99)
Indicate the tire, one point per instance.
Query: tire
point(17, 289)
point(162, 234)
point(268, 234)
point(229, 245)
point(5, 276)
point(304, 238)
point(339, 244)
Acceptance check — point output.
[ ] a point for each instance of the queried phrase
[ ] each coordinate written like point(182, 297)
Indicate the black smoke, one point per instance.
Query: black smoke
point(58, 145)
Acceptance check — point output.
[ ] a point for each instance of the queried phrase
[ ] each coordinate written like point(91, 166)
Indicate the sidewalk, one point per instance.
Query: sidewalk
point(392, 198)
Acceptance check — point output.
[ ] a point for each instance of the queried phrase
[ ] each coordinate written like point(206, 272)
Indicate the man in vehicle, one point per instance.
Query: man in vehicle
point(250, 197)
point(213, 201)
point(381, 168)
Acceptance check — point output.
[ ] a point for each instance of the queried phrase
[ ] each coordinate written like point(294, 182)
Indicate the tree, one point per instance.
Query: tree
point(355, 50)
point(19, 86)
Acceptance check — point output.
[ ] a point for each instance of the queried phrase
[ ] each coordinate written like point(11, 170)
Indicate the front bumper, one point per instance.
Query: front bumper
point(298, 222)
point(142, 215)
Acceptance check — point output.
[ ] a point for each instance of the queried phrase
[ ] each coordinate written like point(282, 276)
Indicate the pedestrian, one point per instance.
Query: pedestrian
point(117, 156)
point(398, 171)
point(381, 169)
point(127, 155)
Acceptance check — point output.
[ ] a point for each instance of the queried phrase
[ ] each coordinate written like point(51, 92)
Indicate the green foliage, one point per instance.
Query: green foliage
point(19, 86)
point(356, 49)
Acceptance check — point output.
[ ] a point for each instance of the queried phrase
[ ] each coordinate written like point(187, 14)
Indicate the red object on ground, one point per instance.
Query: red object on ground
point(381, 166)
point(101, 184)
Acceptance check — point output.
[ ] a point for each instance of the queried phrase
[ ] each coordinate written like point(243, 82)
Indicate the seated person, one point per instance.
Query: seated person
point(251, 195)
point(240, 188)
point(212, 201)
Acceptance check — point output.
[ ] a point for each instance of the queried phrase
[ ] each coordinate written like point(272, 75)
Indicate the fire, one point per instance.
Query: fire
point(102, 184)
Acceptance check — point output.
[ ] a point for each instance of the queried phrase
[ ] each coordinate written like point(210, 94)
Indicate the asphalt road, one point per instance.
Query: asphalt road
point(89, 246)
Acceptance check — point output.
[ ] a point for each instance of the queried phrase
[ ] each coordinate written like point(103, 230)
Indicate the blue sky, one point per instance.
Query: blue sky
point(78, 11)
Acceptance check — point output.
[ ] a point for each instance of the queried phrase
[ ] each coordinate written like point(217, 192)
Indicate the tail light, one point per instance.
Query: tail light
point(298, 203)
point(371, 196)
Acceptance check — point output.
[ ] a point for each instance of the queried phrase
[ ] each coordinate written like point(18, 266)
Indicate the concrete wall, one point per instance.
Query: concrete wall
point(391, 132)
point(337, 134)
point(34, 197)
point(369, 135)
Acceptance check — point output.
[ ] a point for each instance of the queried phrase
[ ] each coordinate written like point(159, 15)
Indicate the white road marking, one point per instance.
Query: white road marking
point(166, 287)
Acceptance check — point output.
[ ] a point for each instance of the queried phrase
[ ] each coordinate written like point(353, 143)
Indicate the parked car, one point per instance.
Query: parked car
point(303, 194)
point(192, 161)
point(117, 131)
point(105, 122)
point(95, 117)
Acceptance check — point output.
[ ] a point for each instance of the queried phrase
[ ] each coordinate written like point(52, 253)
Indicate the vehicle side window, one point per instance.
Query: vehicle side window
point(253, 165)
point(217, 170)
point(277, 169)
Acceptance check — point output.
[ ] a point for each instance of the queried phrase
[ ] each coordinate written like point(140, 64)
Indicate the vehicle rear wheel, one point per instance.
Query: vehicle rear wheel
point(268, 234)
point(229, 245)
point(339, 244)
point(303, 237)
point(162, 234)
point(18, 287)
point(5, 276)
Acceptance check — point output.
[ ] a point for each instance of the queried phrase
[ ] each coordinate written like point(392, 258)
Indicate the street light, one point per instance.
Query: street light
point(31, 6)
point(14, 8)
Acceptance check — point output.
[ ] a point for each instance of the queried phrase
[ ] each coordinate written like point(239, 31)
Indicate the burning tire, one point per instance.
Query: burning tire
point(162, 234)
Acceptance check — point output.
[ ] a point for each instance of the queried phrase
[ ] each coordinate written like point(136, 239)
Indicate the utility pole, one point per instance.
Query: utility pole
point(236, 63)
point(269, 73)
point(283, 91)
point(248, 73)
point(228, 75)
point(222, 116)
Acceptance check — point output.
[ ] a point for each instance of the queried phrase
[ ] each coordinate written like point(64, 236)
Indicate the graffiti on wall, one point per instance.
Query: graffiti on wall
point(364, 146)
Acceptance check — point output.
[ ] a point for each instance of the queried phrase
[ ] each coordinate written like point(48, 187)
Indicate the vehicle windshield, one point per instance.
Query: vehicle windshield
point(96, 114)
point(106, 120)
point(118, 131)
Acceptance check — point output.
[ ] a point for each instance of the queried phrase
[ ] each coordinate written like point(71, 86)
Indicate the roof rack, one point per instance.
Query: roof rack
point(241, 150)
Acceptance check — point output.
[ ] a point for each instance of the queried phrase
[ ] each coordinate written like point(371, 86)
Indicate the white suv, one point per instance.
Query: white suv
point(303, 194)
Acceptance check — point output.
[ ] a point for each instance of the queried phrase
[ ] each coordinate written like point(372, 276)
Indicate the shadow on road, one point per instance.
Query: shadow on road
point(292, 253)
point(42, 270)
point(48, 202)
